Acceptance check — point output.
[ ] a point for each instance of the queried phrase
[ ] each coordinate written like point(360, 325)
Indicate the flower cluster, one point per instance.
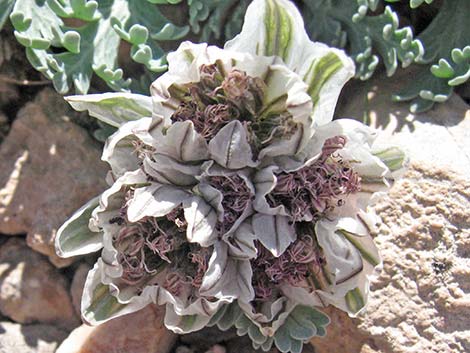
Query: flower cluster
point(234, 199)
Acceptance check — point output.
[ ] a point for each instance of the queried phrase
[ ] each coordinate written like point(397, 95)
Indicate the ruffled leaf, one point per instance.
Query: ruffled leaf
point(227, 316)
point(183, 324)
point(114, 109)
point(241, 244)
point(227, 277)
point(276, 233)
point(182, 142)
point(74, 237)
point(166, 170)
point(119, 149)
point(281, 33)
point(184, 315)
point(351, 257)
point(202, 219)
point(230, 147)
point(155, 200)
point(393, 157)
point(343, 259)
point(100, 305)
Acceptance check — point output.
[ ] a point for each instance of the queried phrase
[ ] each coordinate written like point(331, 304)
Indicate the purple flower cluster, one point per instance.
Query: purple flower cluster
point(236, 199)
point(298, 266)
point(220, 97)
point(318, 188)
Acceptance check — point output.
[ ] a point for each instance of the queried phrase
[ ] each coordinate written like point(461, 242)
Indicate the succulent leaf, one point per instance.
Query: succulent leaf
point(347, 24)
point(93, 47)
point(446, 62)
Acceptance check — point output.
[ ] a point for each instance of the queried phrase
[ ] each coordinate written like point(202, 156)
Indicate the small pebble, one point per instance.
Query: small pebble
point(183, 349)
point(217, 349)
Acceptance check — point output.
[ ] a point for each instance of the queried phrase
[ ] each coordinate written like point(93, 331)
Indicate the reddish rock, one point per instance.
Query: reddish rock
point(31, 289)
point(139, 332)
point(49, 168)
point(343, 334)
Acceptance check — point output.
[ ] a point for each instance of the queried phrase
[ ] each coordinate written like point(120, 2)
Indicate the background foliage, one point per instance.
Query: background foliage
point(80, 44)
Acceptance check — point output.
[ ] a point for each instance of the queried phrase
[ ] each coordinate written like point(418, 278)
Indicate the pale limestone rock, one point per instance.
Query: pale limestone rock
point(49, 168)
point(420, 301)
point(438, 137)
point(139, 332)
point(31, 289)
point(15, 338)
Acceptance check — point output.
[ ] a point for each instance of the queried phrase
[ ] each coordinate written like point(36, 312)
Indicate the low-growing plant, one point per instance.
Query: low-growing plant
point(234, 199)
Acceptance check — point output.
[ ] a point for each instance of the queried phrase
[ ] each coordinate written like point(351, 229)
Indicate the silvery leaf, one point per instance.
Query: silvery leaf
point(184, 315)
point(74, 237)
point(302, 324)
point(276, 233)
point(114, 109)
point(202, 220)
point(165, 170)
point(230, 147)
point(268, 316)
point(112, 200)
point(240, 243)
point(183, 324)
point(276, 28)
point(343, 259)
point(155, 200)
point(212, 197)
point(100, 301)
point(351, 259)
point(182, 142)
point(392, 156)
point(227, 316)
point(286, 91)
point(119, 149)
point(215, 197)
point(302, 296)
point(265, 181)
point(227, 277)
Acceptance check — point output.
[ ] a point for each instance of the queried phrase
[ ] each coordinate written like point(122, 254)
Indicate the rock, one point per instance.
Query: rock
point(343, 334)
point(8, 92)
point(420, 302)
point(447, 124)
point(15, 338)
point(31, 289)
point(50, 167)
point(4, 126)
point(139, 332)
point(78, 282)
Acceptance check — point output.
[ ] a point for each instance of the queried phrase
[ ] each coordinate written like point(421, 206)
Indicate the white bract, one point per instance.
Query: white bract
point(234, 199)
